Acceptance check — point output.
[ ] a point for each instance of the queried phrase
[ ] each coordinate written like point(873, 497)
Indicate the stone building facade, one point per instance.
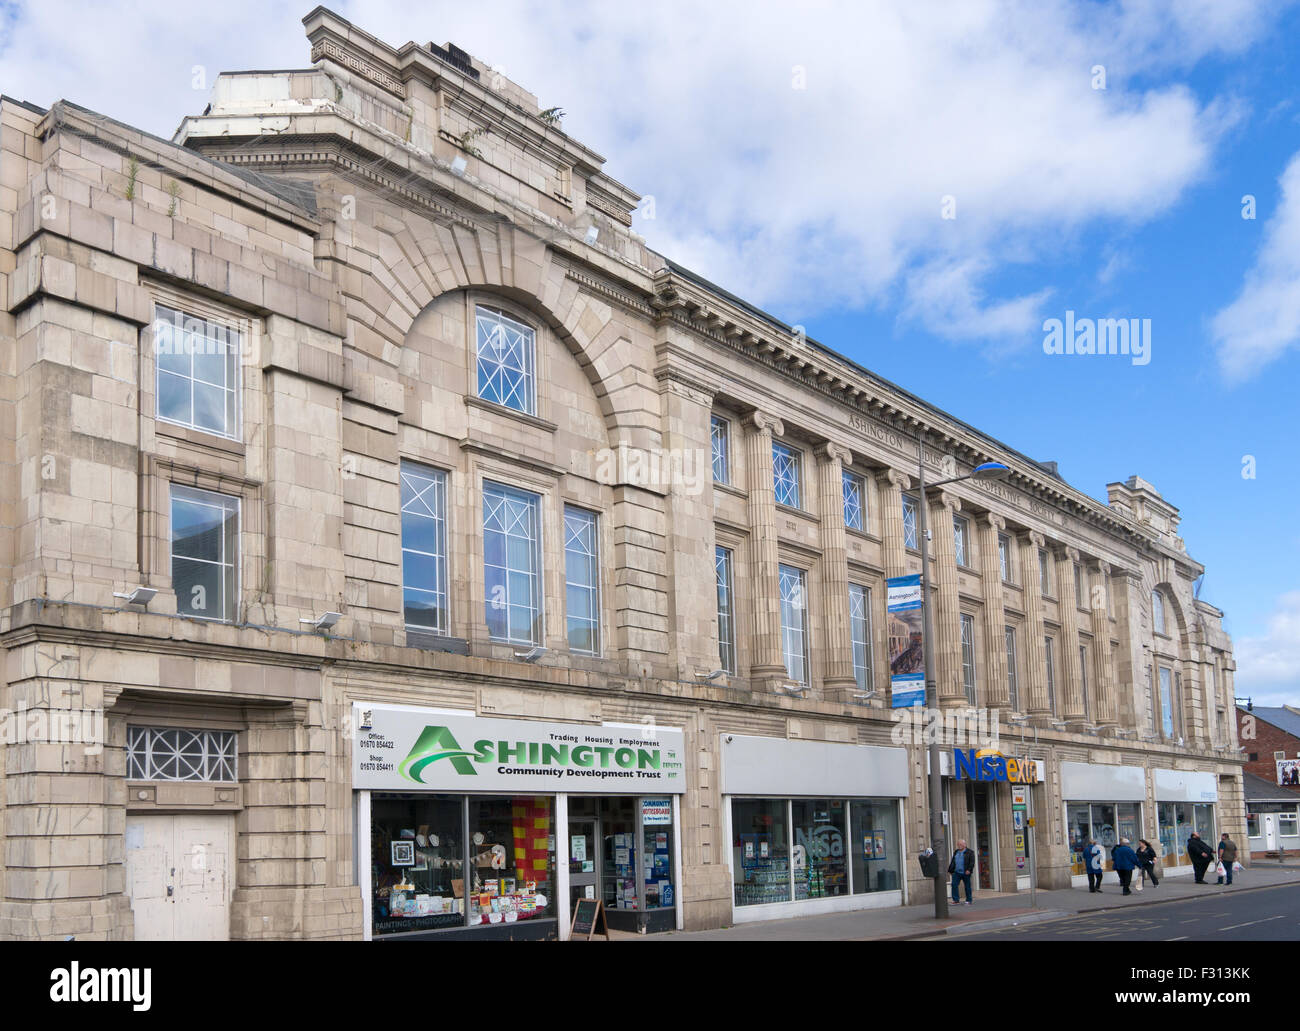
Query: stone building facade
point(375, 338)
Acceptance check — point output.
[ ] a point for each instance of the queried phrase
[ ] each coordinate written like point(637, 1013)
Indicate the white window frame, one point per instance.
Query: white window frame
point(538, 601)
point(211, 755)
point(797, 601)
point(858, 484)
point(1049, 659)
point(234, 348)
point(724, 560)
point(593, 520)
point(1004, 559)
point(968, 672)
point(1013, 672)
point(528, 363)
point(911, 504)
point(227, 503)
point(961, 540)
point(1158, 613)
point(860, 636)
point(720, 431)
point(793, 459)
point(437, 481)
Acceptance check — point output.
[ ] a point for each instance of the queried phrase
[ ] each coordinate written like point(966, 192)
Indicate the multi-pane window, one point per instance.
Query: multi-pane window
point(785, 475)
point(720, 437)
point(506, 357)
point(1083, 678)
point(855, 501)
point(197, 363)
point(1049, 655)
point(961, 539)
point(1013, 684)
point(909, 521)
point(1045, 572)
point(512, 564)
point(1078, 586)
point(167, 753)
point(1004, 557)
point(1166, 702)
point(582, 580)
point(205, 553)
point(968, 656)
point(860, 632)
point(794, 623)
point(722, 561)
point(1151, 701)
point(424, 548)
point(1158, 612)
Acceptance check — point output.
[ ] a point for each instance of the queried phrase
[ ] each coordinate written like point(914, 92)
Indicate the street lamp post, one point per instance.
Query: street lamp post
point(986, 471)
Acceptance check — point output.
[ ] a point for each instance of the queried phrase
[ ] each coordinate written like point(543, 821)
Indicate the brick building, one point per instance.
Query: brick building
point(433, 554)
point(1270, 739)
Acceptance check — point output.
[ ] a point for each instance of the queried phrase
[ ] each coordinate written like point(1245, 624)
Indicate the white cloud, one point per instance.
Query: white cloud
point(1268, 666)
point(1263, 323)
point(797, 199)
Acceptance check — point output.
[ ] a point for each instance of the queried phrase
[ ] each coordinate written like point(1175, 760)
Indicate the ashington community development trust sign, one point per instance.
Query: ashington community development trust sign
point(409, 749)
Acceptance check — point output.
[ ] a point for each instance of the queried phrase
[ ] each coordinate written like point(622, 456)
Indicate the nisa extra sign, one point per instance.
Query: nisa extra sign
point(991, 765)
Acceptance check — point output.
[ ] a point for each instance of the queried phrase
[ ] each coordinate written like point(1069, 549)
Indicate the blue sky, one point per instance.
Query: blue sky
point(799, 158)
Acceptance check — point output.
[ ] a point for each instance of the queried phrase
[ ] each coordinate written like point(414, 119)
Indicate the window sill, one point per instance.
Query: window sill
point(510, 413)
point(789, 510)
point(432, 642)
point(199, 437)
point(728, 488)
point(863, 534)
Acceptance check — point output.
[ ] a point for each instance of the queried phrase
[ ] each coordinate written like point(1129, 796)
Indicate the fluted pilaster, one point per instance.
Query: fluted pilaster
point(946, 623)
point(764, 562)
point(1038, 702)
point(892, 484)
point(995, 645)
point(831, 460)
point(1070, 672)
point(1104, 672)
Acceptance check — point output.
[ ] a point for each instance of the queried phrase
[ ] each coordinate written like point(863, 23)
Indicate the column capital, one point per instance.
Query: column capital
point(896, 478)
point(1100, 565)
point(1032, 537)
point(1070, 553)
point(994, 520)
point(832, 452)
point(765, 423)
point(943, 498)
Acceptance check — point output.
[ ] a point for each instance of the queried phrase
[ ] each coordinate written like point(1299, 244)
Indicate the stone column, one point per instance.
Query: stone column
point(1070, 672)
point(764, 575)
point(995, 640)
point(1032, 647)
point(945, 623)
point(892, 484)
point(840, 681)
point(1103, 677)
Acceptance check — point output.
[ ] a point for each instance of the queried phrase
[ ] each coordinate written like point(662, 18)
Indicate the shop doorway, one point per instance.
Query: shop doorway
point(178, 875)
point(584, 860)
point(982, 834)
point(621, 852)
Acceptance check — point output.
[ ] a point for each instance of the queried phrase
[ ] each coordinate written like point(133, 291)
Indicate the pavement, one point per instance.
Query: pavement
point(990, 911)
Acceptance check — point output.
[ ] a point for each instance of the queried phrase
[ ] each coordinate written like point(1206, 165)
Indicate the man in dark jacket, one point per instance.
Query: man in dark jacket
point(1092, 857)
point(961, 866)
point(1200, 854)
point(1227, 856)
point(1125, 860)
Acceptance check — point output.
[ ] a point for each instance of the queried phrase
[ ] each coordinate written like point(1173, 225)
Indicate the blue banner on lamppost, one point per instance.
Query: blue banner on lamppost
point(906, 643)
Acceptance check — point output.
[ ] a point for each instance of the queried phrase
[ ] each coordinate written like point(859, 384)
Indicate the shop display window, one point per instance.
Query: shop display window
point(819, 862)
point(619, 880)
point(875, 847)
point(417, 863)
point(1171, 852)
point(1203, 814)
point(761, 845)
point(1129, 819)
point(657, 855)
point(512, 859)
point(1079, 822)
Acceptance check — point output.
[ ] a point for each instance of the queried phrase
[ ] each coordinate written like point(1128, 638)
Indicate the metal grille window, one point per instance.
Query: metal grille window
point(909, 521)
point(205, 553)
point(968, 656)
point(860, 632)
point(582, 580)
point(855, 501)
point(506, 351)
point(197, 365)
point(960, 538)
point(1004, 557)
point(1051, 673)
point(1013, 686)
point(424, 548)
point(165, 753)
point(794, 623)
point(1083, 681)
point(726, 610)
point(512, 564)
point(1158, 612)
point(785, 475)
point(720, 433)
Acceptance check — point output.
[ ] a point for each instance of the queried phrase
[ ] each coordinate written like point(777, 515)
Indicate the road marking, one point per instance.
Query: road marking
point(1249, 922)
point(1180, 938)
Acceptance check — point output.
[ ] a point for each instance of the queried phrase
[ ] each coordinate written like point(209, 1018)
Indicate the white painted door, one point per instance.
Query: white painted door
point(1270, 832)
point(178, 875)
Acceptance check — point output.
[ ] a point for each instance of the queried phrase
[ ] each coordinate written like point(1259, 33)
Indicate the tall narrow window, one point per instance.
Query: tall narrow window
point(1078, 586)
point(582, 580)
point(1013, 683)
point(205, 553)
point(961, 539)
point(909, 521)
point(860, 631)
point(424, 548)
point(720, 435)
point(722, 562)
point(1158, 612)
point(506, 356)
point(1083, 679)
point(197, 364)
point(968, 656)
point(785, 475)
point(794, 623)
point(1045, 572)
point(512, 564)
point(1166, 702)
point(1048, 652)
point(855, 501)
point(1151, 702)
point(1004, 557)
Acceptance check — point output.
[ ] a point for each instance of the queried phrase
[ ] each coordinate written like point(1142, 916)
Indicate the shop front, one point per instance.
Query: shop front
point(814, 826)
point(1185, 802)
point(1103, 803)
point(467, 826)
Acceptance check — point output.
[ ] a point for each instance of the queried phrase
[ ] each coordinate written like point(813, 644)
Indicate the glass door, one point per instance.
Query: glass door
point(584, 860)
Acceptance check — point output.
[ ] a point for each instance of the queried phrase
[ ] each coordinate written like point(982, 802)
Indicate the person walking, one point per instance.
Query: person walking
point(1227, 856)
point(1200, 854)
point(1092, 856)
point(1125, 860)
point(1146, 857)
point(961, 866)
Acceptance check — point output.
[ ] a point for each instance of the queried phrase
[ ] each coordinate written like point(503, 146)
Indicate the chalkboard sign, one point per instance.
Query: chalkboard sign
point(588, 919)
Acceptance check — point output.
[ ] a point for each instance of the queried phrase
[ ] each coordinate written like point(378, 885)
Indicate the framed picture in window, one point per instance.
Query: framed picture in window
point(403, 853)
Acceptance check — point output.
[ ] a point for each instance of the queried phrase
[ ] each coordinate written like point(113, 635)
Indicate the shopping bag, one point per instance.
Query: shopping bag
point(1218, 870)
point(1138, 886)
point(1236, 867)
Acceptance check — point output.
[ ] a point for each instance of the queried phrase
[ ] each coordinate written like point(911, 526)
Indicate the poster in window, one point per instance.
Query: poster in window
point(880, 844)
point(403, 853)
